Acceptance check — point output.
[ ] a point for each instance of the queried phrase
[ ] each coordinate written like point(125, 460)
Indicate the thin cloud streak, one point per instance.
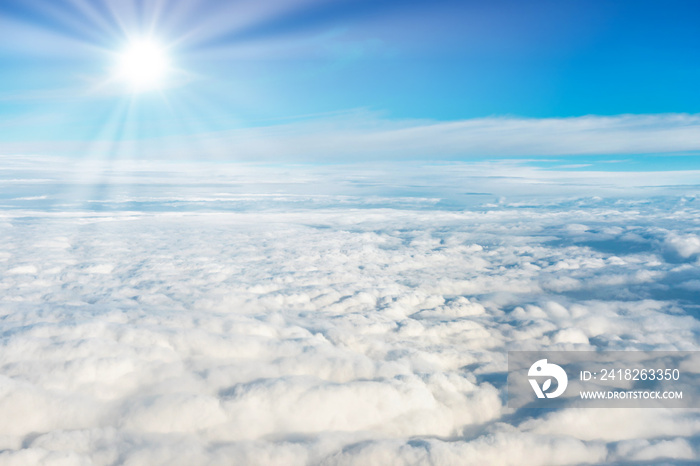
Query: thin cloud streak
point(362, 137)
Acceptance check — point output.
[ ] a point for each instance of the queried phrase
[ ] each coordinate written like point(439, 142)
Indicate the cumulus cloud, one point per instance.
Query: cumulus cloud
point(208, 326)
point(683, 247)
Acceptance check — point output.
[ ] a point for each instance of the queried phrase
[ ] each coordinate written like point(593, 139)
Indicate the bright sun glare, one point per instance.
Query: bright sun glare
point(143, 65)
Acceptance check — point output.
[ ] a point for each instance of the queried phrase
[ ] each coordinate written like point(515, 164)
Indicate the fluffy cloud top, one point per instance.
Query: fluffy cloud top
point(274, 330)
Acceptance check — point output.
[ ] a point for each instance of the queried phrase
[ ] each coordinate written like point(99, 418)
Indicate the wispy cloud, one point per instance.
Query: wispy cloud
point(361, 136)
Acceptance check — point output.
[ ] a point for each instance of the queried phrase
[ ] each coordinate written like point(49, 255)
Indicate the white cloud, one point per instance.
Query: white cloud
point(683, 246)
point(280, 327)
point(363, 136)
point(643, 450)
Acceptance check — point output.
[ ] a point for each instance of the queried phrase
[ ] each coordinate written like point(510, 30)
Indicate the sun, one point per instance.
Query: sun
point(143, 65)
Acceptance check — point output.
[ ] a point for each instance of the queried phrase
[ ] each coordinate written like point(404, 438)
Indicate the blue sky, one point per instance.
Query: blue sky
point(243, 65)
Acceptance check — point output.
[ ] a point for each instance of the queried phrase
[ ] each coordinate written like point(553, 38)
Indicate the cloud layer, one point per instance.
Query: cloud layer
point(297, 332)
point(366, 136)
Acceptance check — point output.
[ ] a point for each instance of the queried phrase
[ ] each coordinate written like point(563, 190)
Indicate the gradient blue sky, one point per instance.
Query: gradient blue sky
point(359, 64)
